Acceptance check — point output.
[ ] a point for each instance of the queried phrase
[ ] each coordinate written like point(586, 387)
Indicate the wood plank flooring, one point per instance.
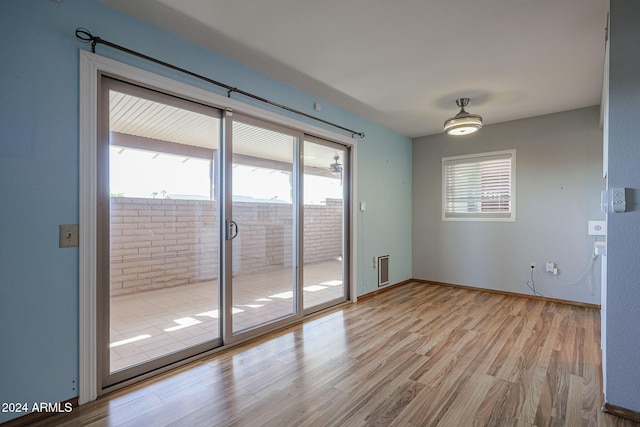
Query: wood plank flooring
point(417, 355)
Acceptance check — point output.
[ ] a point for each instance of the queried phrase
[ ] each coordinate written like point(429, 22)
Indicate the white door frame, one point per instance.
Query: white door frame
point(91, 65)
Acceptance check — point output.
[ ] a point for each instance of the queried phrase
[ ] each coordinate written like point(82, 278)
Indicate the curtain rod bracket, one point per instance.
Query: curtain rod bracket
point(85, 36)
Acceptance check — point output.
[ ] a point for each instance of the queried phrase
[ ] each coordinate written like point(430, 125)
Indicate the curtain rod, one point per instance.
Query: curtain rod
point(85, 36)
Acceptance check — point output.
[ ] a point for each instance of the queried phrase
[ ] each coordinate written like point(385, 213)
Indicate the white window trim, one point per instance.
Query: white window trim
point(481, 217)
point(91, 65)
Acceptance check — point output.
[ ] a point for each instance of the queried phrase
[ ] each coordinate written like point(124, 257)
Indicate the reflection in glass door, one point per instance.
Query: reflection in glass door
point(325, 193)
point(158, 222)
point(264, 219)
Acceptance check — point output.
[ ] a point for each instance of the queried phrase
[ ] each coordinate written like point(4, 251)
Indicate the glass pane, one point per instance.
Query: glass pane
point(163, 229)
point(323, 224)
point(262, 204)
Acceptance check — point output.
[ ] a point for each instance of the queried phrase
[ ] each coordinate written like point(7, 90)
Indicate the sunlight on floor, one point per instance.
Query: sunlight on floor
point(148, 325)
point(184, 322)
point(283, 295)
point(129, 340)
point(314, 288)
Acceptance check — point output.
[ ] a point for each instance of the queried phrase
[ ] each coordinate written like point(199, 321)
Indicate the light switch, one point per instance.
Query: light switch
point(618, 200)
point(69, 236)
point(613, 200)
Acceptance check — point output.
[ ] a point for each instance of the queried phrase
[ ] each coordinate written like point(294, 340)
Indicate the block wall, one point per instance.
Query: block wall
point(157, 243)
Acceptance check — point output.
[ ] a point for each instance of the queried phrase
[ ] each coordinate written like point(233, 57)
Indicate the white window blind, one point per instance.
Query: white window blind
point(480, 186)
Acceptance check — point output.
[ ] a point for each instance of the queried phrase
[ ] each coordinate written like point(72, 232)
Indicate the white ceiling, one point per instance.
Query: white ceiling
point(403, 63)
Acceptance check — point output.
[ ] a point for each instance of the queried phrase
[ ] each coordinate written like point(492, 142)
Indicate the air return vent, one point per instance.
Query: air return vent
point(383, 270)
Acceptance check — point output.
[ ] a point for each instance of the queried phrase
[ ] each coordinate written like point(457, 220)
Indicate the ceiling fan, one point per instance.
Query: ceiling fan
point(335, 167)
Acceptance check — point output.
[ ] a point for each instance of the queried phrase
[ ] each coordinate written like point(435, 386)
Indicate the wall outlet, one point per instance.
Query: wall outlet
point(550, 267)
point(597, 228)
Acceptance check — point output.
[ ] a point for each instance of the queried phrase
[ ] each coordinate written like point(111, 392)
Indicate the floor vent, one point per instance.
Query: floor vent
point(383, 270)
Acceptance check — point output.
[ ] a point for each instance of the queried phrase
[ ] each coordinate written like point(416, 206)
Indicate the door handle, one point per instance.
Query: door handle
point(232, 230)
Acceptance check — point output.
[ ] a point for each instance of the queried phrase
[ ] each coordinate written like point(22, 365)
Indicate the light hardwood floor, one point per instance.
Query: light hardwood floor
point(416, 355)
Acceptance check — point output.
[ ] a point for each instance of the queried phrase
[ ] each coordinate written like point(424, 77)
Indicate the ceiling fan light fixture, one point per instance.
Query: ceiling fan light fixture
point(463, 123)
point(335, 167)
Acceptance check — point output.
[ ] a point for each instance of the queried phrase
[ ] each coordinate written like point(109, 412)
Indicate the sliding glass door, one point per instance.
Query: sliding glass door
point(326, 201)
point(264, 215)
point(158, 228)
point(211, 228)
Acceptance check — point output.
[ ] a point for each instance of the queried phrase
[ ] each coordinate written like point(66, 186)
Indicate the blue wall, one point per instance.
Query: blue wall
point(39, 178)
point(622, 386)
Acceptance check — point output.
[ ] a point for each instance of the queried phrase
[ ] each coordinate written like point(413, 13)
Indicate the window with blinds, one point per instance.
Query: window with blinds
point(479, 187)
